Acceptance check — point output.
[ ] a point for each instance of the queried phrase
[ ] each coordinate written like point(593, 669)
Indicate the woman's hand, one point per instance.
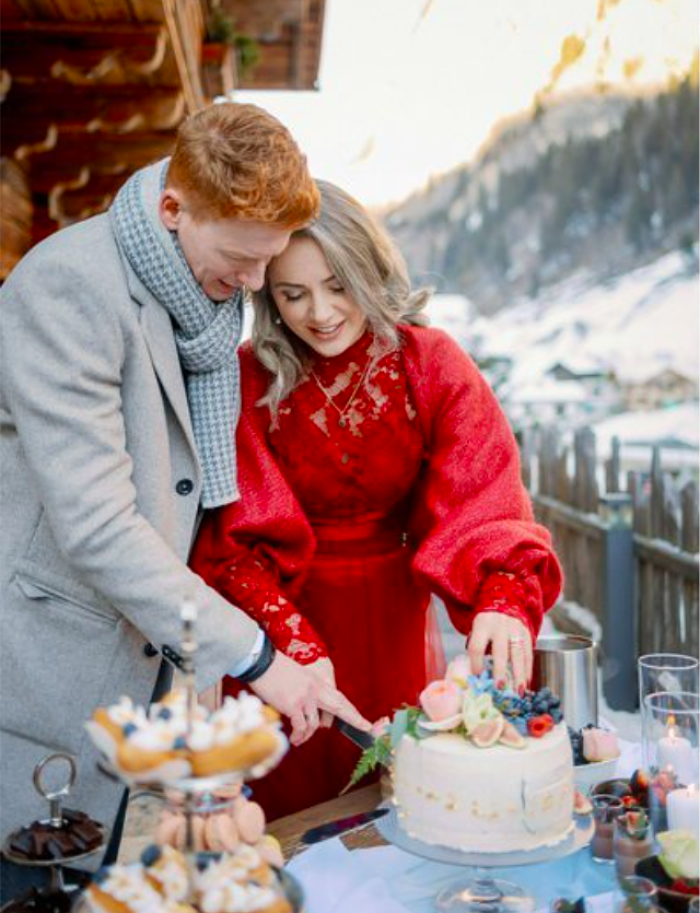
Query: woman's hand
point(323, 668)
point(510, 642)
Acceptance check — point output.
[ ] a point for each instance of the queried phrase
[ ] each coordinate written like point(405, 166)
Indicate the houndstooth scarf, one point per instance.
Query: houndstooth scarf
point(206, 333)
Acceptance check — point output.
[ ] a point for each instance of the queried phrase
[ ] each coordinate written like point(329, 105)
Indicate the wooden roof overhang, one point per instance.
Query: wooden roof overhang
point(92, 90)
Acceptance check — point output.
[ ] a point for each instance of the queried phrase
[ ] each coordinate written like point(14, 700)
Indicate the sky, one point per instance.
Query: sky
point(409, 89)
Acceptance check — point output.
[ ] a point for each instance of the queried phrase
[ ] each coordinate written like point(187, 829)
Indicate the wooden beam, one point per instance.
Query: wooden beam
point(113, 153)
point(76, 107)
point(62, 35)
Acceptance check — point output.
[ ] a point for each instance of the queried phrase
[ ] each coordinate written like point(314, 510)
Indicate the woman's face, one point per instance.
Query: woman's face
point(312, 302)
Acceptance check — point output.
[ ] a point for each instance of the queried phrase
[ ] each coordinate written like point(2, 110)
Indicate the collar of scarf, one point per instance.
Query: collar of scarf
point(206, 333)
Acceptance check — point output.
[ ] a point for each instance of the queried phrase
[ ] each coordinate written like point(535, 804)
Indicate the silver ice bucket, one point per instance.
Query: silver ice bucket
point(568, 665)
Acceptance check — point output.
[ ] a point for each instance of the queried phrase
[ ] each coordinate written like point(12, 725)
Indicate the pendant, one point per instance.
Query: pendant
point(342, 422)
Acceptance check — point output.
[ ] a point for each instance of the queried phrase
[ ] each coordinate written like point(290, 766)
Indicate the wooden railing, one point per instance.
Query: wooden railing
point(629, 546)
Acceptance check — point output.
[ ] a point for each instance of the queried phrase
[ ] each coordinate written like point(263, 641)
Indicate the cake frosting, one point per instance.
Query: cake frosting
point(450, 792)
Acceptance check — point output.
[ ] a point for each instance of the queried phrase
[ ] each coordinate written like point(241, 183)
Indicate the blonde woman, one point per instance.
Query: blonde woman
point(376, 468)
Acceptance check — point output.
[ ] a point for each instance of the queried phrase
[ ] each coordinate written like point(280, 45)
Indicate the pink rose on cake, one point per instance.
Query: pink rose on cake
point(600, 745)
point(441, 700)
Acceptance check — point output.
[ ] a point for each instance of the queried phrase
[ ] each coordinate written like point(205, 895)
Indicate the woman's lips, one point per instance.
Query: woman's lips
point(327, 332)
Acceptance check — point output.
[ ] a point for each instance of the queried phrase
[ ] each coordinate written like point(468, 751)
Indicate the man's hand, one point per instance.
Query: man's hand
point(303, 695)
point(323, 669)
point(510, 642)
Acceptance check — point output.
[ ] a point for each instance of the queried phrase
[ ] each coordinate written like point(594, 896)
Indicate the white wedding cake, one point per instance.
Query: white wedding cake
point(488, 800)
point(479, 768)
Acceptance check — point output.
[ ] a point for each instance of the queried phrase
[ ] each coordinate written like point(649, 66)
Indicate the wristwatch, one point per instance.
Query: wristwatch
point(261, 662)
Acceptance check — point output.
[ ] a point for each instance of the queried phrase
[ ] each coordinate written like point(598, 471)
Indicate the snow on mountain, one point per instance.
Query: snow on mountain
point(632, 328)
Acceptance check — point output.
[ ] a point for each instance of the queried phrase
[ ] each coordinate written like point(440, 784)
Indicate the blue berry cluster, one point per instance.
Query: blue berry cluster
point(518, 710)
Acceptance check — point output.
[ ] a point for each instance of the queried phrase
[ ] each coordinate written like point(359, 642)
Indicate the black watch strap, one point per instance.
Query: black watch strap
point(261, 664)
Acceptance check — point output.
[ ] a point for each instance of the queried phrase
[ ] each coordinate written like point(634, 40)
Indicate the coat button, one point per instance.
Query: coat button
point(150, 651)
point(185, 487)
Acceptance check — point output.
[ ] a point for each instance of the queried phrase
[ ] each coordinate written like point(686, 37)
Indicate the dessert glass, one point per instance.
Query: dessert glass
point(605, 810)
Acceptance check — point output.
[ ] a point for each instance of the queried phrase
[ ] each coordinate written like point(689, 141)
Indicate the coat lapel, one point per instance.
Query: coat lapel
point(160, 339)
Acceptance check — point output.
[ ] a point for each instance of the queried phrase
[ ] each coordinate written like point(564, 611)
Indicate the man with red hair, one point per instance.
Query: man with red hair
point(119, 398)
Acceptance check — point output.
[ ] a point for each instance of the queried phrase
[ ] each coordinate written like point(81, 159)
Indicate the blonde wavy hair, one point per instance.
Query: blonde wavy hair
point(365, 260)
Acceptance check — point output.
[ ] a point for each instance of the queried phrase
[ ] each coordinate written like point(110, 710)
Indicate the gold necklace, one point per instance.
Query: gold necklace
point(342, 421)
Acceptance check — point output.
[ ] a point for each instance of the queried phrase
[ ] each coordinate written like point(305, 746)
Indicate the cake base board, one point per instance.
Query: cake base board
point(580, 837)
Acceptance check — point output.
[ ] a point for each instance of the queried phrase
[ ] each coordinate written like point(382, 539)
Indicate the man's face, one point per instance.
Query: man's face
point(223, 254)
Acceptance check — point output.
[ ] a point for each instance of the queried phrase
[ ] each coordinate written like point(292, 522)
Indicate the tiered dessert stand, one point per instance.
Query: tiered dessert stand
point(198, 791)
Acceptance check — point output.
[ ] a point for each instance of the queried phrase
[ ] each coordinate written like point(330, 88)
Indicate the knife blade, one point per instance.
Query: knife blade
point(363, 739)
point(341, 826)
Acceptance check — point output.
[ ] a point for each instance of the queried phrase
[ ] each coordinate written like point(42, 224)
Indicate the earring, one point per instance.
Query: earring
point(278, 320)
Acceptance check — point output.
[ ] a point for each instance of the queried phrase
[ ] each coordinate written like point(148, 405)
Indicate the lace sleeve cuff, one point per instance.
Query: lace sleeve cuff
point(512, 595)
point(250, 585)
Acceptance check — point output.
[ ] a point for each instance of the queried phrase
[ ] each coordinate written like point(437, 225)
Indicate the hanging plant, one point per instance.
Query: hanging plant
point(221, 29)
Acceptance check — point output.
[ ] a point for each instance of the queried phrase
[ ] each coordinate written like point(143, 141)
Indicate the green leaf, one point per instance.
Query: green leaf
point(398, 727)
point(377, 754)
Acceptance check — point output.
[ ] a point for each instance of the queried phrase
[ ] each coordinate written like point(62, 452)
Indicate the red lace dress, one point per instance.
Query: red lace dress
point(339, 537)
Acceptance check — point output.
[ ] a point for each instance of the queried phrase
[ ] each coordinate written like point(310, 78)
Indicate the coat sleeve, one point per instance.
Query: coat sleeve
point(256, 551)
point(479, 547)
point(62, 352)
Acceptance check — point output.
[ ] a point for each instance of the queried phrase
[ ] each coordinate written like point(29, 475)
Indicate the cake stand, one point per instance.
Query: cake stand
point(55, 820)
point(480, 892)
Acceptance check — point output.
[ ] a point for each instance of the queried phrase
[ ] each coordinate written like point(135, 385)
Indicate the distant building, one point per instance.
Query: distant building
point(664, 388)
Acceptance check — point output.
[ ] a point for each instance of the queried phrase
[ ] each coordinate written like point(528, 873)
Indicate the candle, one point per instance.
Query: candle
point(683, 808)
point(676, 752)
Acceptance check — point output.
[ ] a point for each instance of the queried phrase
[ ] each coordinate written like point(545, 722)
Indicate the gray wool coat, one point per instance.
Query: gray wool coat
point(99, 497)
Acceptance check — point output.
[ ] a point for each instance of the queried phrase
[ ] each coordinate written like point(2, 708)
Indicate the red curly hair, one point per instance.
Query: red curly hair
point(238, 161)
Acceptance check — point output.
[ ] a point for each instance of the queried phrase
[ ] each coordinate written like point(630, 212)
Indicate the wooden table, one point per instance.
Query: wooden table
point(288, 830)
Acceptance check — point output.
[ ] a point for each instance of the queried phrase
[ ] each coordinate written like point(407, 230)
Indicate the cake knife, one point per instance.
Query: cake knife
point(342, 826)
point(363, 739)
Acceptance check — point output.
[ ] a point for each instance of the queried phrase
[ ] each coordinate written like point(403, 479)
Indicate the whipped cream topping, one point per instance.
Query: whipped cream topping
point(230, 897)
point(159, 735)
point(222, 887)
point(166, 722)
point(124, 712)
point(128, 885)
point(171, 873)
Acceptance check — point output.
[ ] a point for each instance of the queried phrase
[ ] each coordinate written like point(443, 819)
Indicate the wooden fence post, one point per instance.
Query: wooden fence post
point(619, 616)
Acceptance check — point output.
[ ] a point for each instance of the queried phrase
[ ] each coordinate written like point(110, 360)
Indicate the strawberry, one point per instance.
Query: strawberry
point(683, 887)
point(537, 726)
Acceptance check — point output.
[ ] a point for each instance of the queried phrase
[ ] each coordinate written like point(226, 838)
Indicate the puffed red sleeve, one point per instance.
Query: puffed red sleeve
point(256, 551)
point(479, 547)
